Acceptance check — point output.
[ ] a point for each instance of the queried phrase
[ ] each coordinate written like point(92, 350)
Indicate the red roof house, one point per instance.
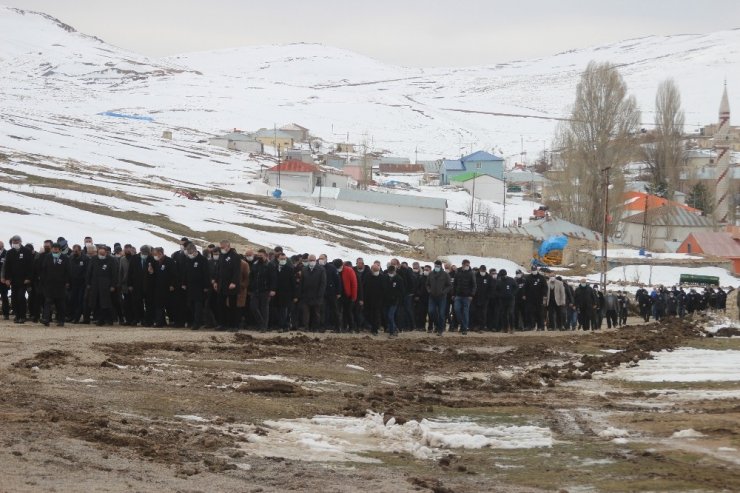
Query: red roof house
point(718, 244)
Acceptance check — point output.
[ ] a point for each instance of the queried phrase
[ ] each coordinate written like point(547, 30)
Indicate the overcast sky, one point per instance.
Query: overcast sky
point(405, 32)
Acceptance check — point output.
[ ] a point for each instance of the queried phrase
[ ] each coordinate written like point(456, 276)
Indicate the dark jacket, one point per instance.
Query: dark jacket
point(139, 277)
point(286, 284)
point(166, 278)
point(196, 278)
point(266, 277)
point(506, 288)
point(18, 266)
point(535, 289)
point(313, 285)
point(333, 282)
point(394, 290)
point(485, 288)
point(438, 283)
point(373, 287)
point(54, 276)
point(465, 284)
point(78, 269)
point(584, 298)
point(228, 272)
point(102, 275)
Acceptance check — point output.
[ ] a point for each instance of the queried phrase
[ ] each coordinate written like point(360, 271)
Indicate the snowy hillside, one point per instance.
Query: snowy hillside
point(79, 171)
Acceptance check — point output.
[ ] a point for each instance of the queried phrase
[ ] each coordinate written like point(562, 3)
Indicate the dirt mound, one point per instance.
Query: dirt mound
point(434, 485)
point(140, 348)
point(726, 332)
point(45, 359)
point(271, 387)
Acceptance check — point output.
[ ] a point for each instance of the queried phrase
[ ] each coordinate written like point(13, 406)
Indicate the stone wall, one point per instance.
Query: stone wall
point(517, 248)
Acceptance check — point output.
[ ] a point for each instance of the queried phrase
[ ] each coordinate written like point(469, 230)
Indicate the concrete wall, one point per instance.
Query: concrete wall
point(632, 235)
point(292, 182)
point(486, 188)
point(517, 248)
point(411, 216)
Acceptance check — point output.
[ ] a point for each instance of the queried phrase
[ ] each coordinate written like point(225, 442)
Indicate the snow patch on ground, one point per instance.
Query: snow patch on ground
point(191, 417)
point(684, 365)
point(346, 439)
point(688, 433)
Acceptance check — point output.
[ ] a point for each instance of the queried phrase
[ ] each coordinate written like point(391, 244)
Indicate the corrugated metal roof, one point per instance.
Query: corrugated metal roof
point(453, 165)
point(401, 200)
point(295, 166)
point(635, 201)
point(545, 228)
point(670, 215)
point(272, 133)
point(480, 156)
point(719, 244)
point(237, 136)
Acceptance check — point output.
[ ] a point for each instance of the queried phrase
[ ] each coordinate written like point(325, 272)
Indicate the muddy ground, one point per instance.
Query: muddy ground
point(128, 409)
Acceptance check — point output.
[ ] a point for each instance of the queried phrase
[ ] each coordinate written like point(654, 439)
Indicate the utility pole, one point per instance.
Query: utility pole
point(503, 218)
point(367, 171)
point(604, 243)
point(645, 236)
point(472, 203)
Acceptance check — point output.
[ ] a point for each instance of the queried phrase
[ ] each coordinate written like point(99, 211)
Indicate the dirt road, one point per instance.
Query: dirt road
point(130, 409)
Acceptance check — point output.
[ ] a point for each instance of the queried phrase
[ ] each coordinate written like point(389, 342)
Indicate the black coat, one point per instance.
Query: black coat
point(18, 266)
point(394, 290)
point(373, 287)
point(286, 284)
point(506, 288)
point(54, 275)
point(313, 285)
point(78, 269)
point(465, 284)
point(139, 277)
point(266, 277)
point(485, 288)
point(196, 278)
point(333, 282)
point(584, 298)
point(165, 277)
point(229, 271)
point(102, 275)
point(535, 289)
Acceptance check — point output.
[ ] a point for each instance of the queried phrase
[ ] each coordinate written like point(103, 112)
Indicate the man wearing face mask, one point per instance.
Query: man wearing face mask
point(166, 280)
point(3, 287)
point(521, 319)
point(330, 314)
point(313, 292)
point(226, 284)
point(196, 282)
point(483, 293)
point(286, 292)
point(16, 274)
point(141, 287)
point(438, 286)
point(421, 300)
point(465, 288)
point(373, 285)
point(535, 296)
point(102, 278)
point(36, 293)
point(55, 281)
point(584, 300)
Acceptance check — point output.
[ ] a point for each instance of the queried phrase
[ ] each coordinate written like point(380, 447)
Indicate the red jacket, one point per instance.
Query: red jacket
point(349, 282)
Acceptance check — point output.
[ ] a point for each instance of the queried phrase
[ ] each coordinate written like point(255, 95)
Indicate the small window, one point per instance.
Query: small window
point(478, 165)
point(688, 247)
point(334, 185)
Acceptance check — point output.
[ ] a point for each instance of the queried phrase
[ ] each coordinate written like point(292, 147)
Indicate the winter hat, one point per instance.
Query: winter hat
point(337, 262)
point(503, 272)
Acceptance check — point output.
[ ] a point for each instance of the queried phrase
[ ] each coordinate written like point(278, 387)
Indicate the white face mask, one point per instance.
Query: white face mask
point(437, 269)
point(215, 256)
point(224, 251)
point(426, 273)
point(101, 257)
point(466, 267)
point(518, 276)
point(283, 262)
point(191, 256)
point(322, 262)
point(376, 273)
point(156, 258)
point(312, 264)
point(339, 269)
point(392, 274)
point(482, 273)
point(16, 246)
point(249, 258)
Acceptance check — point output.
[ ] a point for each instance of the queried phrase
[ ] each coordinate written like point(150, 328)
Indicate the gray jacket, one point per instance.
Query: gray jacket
point(438, 284)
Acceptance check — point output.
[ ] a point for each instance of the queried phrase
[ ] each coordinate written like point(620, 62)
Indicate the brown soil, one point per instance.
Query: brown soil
point(84, 407)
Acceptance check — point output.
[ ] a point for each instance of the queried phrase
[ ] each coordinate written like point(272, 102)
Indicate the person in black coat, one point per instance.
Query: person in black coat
point(226, 285)
point(484, 293)
point(54, 277)
point(263, 287)
point(506, 289)
point(179, 300)
point(195, 283)
point(166, 280)
point(3, 288)
point(535, 291)
point(373, 286)
point(286, 295)
point(330, 315)
point(36, 293)
point(464, 290)
point(78, 262)
point(101, 282)
point(16, 274)
point(141, 270)
point(312, 294)
point(584, 299)
point(394, 292)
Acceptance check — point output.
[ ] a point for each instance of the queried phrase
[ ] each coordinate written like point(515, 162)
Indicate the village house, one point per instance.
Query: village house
point(637, 202)
point(409, 210)
point(296, 132)
point(526, 180)
point(717, 244)
point(481, 185)
point(479, 161)
point(298, 177)
point(299, 155)
point(668, 223)
point(276, 139)
point(238, 141)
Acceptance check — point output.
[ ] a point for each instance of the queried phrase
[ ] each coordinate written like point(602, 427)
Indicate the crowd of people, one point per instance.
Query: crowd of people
point(264, 290)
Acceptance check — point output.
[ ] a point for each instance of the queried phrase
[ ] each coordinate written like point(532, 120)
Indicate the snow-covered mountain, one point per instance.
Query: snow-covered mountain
point(77, 169)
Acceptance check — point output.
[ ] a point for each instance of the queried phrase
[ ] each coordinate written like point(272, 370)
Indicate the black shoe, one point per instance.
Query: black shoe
point(60, 324)
point(45, 323)
point(7, 317)
point(21, 321)
point(219, 328)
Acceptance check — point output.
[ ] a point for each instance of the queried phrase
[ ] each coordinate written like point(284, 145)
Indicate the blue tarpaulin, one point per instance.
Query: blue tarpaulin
point(123, 115)
point(552, 243)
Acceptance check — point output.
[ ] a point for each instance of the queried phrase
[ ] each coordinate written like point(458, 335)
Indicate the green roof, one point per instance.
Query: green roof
point(469, 175)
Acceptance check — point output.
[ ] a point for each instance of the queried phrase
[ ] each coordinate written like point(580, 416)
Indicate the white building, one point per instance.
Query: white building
point(666, 224)
point(482, 186)
point(237, 141)
point(409, 210)
point(293, 176)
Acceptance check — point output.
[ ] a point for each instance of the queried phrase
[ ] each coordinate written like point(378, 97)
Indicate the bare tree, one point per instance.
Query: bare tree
point(600, 135)
point(664, 151)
